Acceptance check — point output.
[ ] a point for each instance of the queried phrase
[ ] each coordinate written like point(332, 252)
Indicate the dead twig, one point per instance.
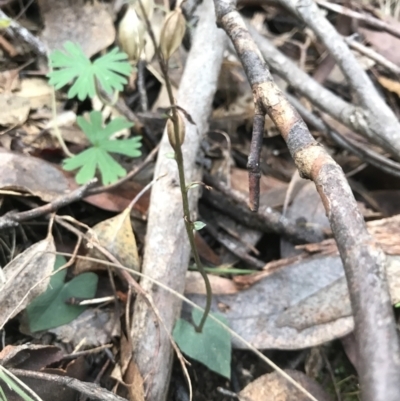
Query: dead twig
point(353, 117)
point(265, 219)
point(380, 123)
point(91, 390)
point(368, 19)
point(364, 153)
point(372, 54)
point(233, 245)
point(363, 260)
point(12, 219)
point(16, 30)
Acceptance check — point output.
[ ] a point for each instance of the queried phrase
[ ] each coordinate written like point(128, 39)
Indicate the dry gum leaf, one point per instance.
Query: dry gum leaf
point(28, 174)
point(274, 387)
point(22, 276)
point(117, 237)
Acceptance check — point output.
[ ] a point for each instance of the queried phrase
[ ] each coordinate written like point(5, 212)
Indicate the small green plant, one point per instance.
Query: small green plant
point(107, 73)
point(49, 309)
point(98, 155)
point(211, 347)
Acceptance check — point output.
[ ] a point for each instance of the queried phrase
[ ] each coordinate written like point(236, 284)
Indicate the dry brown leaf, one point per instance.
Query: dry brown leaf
point(28, 174)
point(219, 285)
point(14, 110)
point(30, 356)
point(239, 180)
point(89, 24)
point(384, 43)
point(37, 91)
point(9, 80)
point(390, 84)
point(115, 235)
point(205, 251)
point(134, 381)
point(26, 277)
point(274, 387)
point(127, 372)
point(302, 305)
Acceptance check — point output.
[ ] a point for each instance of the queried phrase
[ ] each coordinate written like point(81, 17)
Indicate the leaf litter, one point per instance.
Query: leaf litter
point(298, 300)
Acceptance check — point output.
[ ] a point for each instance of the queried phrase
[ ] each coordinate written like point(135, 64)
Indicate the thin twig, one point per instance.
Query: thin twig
point(141, 83)
point(12, 219)
point(376, 129)
point(16, 30)
point(91, 390)
point(368, 19)
point(363, 152)
point(233, 245)
point(378, 117)
point(266, 219)
point(372, 54)
point(126, 275)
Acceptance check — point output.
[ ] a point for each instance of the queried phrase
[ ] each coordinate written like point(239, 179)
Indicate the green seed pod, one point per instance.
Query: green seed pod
point(172, 32)
point(171, 130)
point(131, 32)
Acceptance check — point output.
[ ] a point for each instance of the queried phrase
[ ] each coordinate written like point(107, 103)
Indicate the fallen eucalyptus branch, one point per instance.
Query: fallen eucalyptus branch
point(363, 260)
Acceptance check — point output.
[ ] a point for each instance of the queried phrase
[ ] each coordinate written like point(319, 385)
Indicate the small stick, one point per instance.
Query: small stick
point(12, 219)
point(91, 390)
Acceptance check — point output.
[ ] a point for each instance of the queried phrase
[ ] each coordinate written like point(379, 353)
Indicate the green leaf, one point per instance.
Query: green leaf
point(211, 347)
point(8, 378)
point(72, 65)
point(198, 225)
point(97, 156)
point(49, 310)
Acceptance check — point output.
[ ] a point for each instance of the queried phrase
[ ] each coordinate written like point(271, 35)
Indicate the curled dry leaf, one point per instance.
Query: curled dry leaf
point(28, 174)
point(116, 236)
point(30, 356)
point(27, 276)
point(274, 387)
point(219, 285)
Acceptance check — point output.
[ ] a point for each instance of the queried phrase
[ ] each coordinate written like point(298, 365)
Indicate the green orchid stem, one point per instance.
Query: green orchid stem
point(185, 199)
point(181, 172)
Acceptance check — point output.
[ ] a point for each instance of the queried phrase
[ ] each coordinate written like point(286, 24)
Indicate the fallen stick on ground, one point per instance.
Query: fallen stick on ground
point(363, 260)
point(380, 123)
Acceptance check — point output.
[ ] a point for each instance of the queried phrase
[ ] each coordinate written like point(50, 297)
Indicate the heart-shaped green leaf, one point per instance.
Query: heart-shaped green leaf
point(49, 310)
point(211, 347)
